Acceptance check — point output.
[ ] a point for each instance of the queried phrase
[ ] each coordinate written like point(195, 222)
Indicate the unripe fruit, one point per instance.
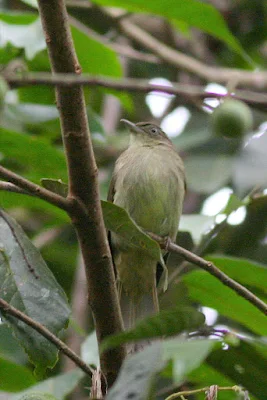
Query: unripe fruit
point(3, 90)
point(38, 396)
point(231, 119)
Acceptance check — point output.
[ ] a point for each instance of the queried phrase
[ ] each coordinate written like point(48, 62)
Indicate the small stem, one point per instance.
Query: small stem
point(31, 189)
point(129, 85)
point(213, 270)
point(205, 389)
point(10, 187)
point(7, 308)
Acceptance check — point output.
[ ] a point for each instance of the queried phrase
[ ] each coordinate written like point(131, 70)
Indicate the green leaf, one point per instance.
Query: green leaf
point(18, 18)
point(28, 285)
point(38, 158)
point(166, 323)
point(9, 347)
point(56, 186)
point(192, 12)
point(137, 375)
point(210, 292)
point(59, 386)
point(14, 377)
point(208, 173)
point(245, 271)
point(233, 204)
point(118, 220)
point(86, 46)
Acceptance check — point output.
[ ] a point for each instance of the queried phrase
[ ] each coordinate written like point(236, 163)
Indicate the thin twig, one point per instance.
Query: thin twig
point(205, 389)
point(129, 85)
point(122, 49)
point(31, 188)
point(213, 270)
point(182, 61)
point(7, 308)
point(10, 187)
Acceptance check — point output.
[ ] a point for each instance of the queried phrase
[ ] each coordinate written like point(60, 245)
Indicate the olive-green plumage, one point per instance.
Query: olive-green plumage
point(148, 182)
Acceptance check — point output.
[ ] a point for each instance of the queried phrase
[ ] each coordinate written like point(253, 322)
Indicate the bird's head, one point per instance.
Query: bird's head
point(146, 133)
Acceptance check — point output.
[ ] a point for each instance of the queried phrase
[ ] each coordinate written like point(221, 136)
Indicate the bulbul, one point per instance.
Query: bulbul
point(149, 183)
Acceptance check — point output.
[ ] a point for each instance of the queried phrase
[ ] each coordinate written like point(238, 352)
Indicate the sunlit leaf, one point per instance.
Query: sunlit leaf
point(210, 292)
point(192, 12)
point(247, 272)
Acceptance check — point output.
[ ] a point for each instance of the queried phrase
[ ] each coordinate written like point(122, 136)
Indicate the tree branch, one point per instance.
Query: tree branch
point(122, 49)
point(130, 85)
point(182, 61)
point(23, 186)
point(86, 213)
point(213, 388)
point(8, 309)
point(213, 270)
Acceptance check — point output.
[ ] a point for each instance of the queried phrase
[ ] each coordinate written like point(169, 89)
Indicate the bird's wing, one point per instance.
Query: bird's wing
point(111, 190)
point(110, 197)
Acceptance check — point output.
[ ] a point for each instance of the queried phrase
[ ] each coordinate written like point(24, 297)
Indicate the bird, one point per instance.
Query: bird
point(148, 181)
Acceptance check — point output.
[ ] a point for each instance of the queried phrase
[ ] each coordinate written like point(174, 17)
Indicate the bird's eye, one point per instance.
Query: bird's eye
point(153, 130)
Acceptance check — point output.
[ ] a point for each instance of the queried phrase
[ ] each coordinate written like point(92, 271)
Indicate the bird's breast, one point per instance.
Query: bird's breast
point(150, 186)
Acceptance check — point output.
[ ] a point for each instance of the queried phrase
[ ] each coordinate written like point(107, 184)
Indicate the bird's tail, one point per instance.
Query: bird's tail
point(132, 311)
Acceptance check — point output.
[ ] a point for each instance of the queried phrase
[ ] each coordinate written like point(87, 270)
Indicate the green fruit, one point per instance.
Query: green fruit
point(231, 119)
point(37, 396)
point(3, 90)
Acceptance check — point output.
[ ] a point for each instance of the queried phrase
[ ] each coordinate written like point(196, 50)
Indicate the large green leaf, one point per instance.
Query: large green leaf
point(91, 54)
point(35, 158)
point(14, 377)
point(27, 284)
point(192, 12)
point(9, 347)
point(166, 323)
point(59, 386)
point(210, 292)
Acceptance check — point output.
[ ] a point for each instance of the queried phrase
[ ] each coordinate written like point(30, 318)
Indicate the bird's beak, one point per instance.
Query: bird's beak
point(133, 128)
